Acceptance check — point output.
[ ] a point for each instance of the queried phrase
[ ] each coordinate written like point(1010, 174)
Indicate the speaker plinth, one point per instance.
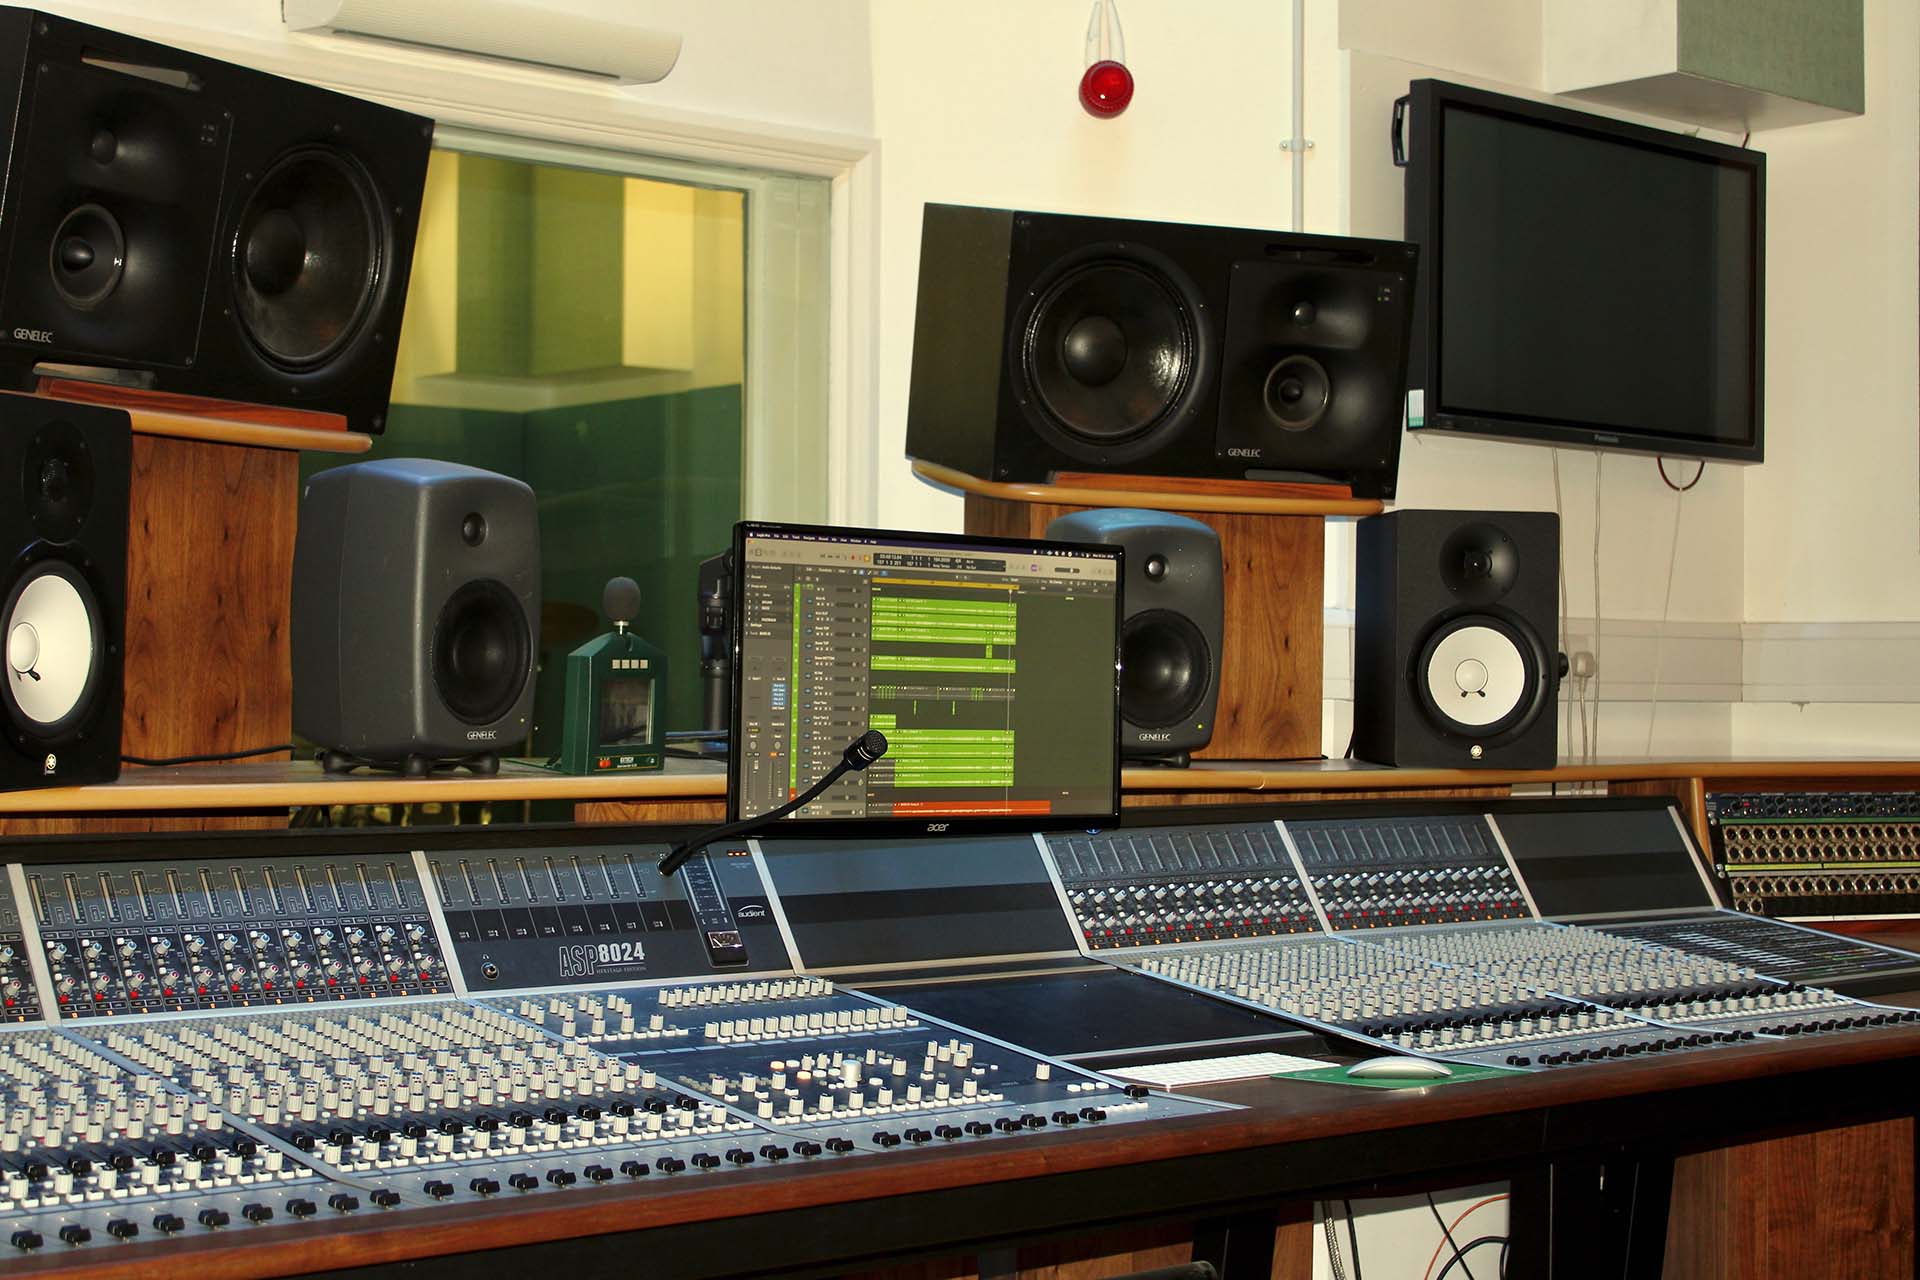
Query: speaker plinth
point(308, 254)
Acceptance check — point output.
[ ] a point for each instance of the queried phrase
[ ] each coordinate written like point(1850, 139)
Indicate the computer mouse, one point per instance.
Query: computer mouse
point(1392, 1068)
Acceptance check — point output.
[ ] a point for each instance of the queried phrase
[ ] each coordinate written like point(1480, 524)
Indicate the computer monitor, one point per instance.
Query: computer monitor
point(991, 665)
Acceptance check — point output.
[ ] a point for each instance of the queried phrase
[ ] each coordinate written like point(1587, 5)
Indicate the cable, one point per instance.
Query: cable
point(1333, 1241)
point(213, 758)
point(1680, 488)
point(1459, 1255)
point(1353, 1238)
point(1565, 691)
point(1459, 1259)
point(1463, 1215)
point(1599, 470)
point(1666, 605)
point(860, 753)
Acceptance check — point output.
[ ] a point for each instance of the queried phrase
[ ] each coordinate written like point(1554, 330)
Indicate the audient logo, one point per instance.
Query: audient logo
point(1243, 453)
point(1156, 737)
point(34, 335)
point(482, 735)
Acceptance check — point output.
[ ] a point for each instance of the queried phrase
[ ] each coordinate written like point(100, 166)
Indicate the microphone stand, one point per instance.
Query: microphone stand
point(862, 752)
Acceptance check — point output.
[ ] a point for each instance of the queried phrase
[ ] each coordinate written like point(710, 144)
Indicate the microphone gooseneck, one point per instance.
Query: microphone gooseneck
point(860, 753)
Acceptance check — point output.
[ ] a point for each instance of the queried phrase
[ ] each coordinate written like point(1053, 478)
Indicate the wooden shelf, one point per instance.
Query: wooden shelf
point(260, 435)
point(1172, 499)
point(288, 784)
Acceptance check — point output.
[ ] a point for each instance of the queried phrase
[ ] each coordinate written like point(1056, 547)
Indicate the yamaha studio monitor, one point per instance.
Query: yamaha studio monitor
point(416, 607)
point(1170, 639)
point(181, 225)
point(1045, 343)
point(64, 477)
point(1456, 645)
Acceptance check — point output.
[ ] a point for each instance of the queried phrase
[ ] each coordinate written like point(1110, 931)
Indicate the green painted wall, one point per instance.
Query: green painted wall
point(1813, 50)
point(495, 270)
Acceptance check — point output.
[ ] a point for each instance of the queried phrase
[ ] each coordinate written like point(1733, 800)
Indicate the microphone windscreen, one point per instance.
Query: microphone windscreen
point(869, 747)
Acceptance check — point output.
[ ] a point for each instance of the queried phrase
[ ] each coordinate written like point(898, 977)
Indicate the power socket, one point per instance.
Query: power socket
point(1585, 665)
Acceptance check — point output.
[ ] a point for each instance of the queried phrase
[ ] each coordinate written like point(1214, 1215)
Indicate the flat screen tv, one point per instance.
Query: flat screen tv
point(1582, 280)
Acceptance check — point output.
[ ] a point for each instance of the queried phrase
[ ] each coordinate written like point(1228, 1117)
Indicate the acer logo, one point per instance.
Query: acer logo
point(482, 735)
point(33, 335)
point(934, 828)
point(1156, 737)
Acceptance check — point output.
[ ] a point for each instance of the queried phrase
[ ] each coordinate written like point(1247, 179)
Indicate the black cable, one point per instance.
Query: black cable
point(1350, 741)
point(1459, 1259)
point(1353, 1238)
point(1459, 1254)
point(215, 757)
point(1680, 488)
point(863, 751)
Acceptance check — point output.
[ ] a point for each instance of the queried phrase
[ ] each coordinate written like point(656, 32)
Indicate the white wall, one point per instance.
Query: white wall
point(977, 104)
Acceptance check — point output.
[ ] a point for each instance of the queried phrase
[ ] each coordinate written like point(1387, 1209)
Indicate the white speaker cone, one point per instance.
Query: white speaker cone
point(50, 649)
point(1476, 676)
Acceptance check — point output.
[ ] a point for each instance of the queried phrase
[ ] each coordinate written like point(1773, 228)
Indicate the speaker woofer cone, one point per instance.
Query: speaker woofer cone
point(1297, 393)
point(481, 652)
point(88, 257)
point(53, 634)
point(1479, 677)
point(1109, 351)
point(1165, 669)
point(308, 254)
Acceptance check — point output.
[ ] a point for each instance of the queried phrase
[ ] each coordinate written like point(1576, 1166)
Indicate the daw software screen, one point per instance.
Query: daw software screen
point(990, 667)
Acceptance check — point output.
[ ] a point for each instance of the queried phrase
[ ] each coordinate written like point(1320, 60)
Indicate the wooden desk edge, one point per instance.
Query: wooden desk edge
point(1079, 496)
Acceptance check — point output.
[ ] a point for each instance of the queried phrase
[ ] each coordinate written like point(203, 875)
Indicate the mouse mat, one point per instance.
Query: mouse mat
point(1338, 1075)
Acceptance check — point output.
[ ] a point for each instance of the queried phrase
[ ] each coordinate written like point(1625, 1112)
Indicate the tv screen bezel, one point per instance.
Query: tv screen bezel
point(1429, 100)
point(796, 827)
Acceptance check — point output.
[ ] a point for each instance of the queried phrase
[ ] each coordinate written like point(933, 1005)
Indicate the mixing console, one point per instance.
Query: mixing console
point(1160, 885)
point(94, 1152)
point(1377, 873)
point(1819, 855)
point(153, 937)
point(1785, 951)
point(19, 994)
point(829, 1065)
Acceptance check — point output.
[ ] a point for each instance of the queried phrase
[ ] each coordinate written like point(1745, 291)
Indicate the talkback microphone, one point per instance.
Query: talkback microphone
point(860, 753)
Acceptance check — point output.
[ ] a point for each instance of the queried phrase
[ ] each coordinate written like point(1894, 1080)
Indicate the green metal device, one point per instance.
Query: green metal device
point(615, 686)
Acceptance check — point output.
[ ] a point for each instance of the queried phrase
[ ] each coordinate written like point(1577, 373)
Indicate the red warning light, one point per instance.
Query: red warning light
point(1106, 86)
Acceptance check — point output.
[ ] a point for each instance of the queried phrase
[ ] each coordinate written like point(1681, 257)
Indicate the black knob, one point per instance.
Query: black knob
point(882, 1138)
point(256, 1212)
point(437, 1189)
point(705, 1160)
point(979, 1128)
point(917, 1136)
point(381, 1137)
point(1007, 1124)
point(621, 1108)
point(1034, 1122)
point(341, 1202)
point(215, 1217)
point(121, 1229)
point(633, 1168)
point(302, 1208)
point(1135, 1091)
point(738, 1155)
point(304, 1141)
point(79, 1166)
point(74, 1233)
point(36, 1171)
point(161, 1157)
point(561, 1177)
point(168, 1223)
point(656, 1105)
point(520, 1120)
point(245, 1148)
point(1092, 1115)
point(773, 1151)
point(947, 1131)
point(839, 1146)
point(385, 1198)
point(554, 1115)
point(807, 1149)
point(484, 1187)
point(121, 1160)
point(587, 1111)
point(523, 1182)
point(670, 1164)
point(1065, 1117)
point(24, 1239)
point(598, 1173)
point(486, 1123)
point(450, 1125)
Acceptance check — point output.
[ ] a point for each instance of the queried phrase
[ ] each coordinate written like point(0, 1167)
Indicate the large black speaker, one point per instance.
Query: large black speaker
point(1044, 343)
point(416, 609)
point(1175, 616)
point(1456, 639)
point(182, 225)
point(64, 474)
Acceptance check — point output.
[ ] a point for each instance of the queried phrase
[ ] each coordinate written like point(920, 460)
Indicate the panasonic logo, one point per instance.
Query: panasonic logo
point(34, 335)
point(482, 735)
point(1156, 737)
